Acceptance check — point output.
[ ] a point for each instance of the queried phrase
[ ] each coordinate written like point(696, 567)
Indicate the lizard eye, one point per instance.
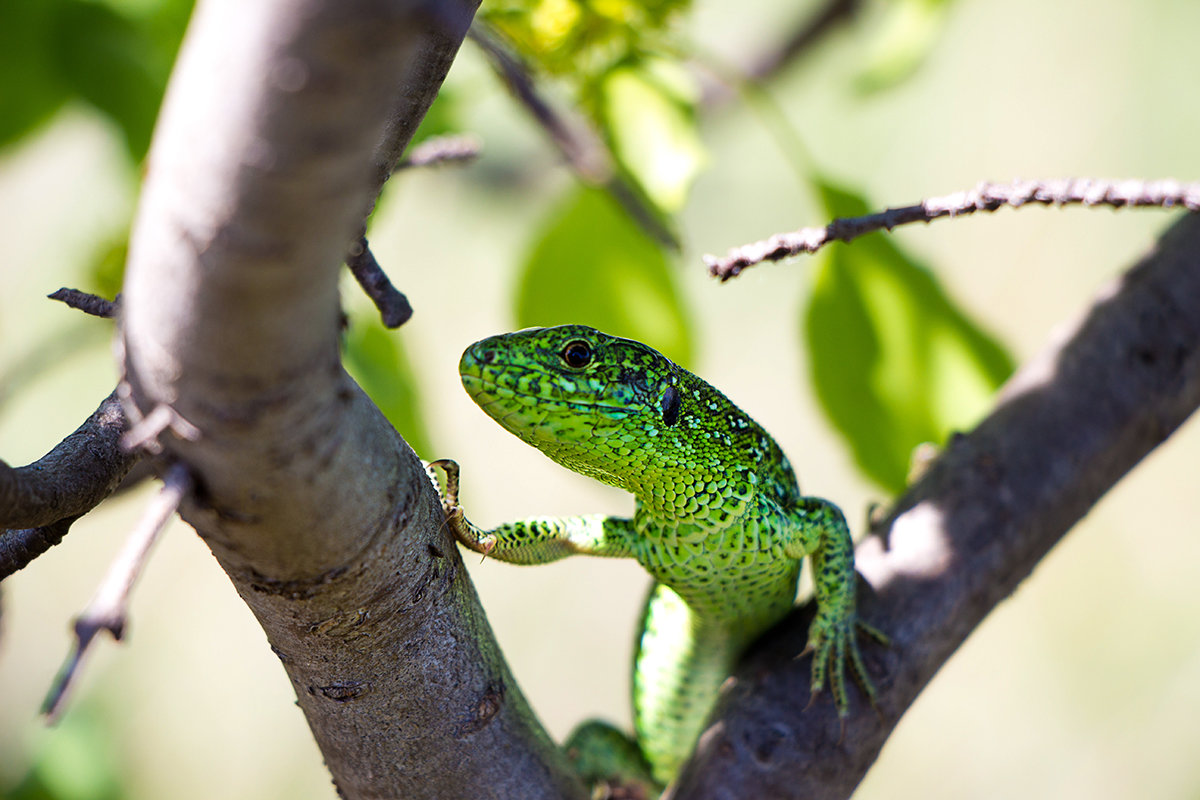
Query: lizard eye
point(577, 354)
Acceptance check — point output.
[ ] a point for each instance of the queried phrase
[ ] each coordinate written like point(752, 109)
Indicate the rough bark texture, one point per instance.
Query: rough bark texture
point(40, 501)
point(277, 124)
point(1067, 427)
point(71, 479)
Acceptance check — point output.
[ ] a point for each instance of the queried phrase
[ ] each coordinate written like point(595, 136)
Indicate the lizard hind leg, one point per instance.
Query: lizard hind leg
point(682, 659)
point(610, 763)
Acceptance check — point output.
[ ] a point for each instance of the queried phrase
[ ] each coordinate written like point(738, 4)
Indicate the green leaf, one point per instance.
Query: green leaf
point(895, 362)
point(75, 761)
point(648, 111)
point(30, 89)
point(590, 264)
point(375, 358)
point(908, 33)
point(114, 55)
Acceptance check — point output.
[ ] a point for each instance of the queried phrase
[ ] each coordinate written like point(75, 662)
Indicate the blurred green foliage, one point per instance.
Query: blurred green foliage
point(113, 56)
point(591, 264)
point(74, 762)
point(894, 361)
point(375, 357)
point(907, 33)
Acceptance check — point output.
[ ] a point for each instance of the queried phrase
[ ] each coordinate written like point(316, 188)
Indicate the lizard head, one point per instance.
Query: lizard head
point(598, 404)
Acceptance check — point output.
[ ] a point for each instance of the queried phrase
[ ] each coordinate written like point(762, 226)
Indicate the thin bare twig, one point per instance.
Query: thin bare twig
point(87, 303)
point(440, 150)
point(984, 197)
point(393, 306)
point(581, 147)
point(108, 608)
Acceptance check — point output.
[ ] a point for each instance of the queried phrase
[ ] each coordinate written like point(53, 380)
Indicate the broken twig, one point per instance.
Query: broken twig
point(108, 608)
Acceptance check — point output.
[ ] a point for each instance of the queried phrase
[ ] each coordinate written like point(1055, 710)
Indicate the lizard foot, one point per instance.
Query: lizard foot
point(833, 641)
point(467, 534)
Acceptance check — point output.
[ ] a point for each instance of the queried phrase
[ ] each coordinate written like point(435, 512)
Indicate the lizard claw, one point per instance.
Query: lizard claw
point(834, 645)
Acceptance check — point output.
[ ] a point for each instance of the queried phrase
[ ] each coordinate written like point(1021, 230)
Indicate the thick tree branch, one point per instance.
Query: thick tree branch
point(281, 122)
point(38, 502)
point(1066, 428)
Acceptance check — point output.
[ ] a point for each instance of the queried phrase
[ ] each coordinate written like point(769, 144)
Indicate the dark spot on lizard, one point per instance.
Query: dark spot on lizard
point(670, 406)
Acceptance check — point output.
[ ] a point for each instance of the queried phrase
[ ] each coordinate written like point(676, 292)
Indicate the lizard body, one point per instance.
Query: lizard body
point(719, 521)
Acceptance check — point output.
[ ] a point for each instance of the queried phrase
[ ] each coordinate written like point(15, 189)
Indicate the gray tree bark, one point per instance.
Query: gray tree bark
point(280, 122)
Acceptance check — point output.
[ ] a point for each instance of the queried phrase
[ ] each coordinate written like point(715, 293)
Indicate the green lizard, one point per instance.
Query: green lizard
point(719, 521)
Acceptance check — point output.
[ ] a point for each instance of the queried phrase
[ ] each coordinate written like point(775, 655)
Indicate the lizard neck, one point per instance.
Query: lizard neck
point(709, 464)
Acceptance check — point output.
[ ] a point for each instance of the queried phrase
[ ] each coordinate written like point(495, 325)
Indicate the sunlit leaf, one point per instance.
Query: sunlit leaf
point(591, 264)
point(376, 359)
point(895, 362)
point(908, 33)
point(581, 38)
point(649, 114)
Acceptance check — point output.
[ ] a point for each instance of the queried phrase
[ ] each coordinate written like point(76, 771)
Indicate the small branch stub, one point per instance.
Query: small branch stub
point(984, 197)
point(87, 303)
point(440, 150)
point(393, 306)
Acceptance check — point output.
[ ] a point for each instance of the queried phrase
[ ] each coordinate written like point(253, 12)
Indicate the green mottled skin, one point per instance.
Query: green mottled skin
point(719, 521)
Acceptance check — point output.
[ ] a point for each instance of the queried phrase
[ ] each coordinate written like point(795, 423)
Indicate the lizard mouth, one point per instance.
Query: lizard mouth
point(488, 392)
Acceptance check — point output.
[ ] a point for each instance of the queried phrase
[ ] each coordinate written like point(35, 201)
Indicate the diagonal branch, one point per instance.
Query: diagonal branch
point(769, 64)
point(984, 197)
point(581, 147)
point(38, 502)
point(1066, 428)
point(282, 120)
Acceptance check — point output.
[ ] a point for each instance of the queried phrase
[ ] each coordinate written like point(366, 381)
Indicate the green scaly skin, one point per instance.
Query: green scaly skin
point(719, 521)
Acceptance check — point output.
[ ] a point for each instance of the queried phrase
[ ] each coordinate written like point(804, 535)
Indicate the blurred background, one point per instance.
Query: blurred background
point(1085, 683)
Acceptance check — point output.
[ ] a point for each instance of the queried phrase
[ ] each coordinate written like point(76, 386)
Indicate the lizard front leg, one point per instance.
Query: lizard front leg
point(538, 540)
point(823, 535)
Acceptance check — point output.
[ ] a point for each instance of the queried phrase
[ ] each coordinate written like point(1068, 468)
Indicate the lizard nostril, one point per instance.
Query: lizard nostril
point(487, 356)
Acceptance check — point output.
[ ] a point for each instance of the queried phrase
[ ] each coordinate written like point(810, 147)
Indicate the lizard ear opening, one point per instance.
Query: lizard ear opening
point(670, 406)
